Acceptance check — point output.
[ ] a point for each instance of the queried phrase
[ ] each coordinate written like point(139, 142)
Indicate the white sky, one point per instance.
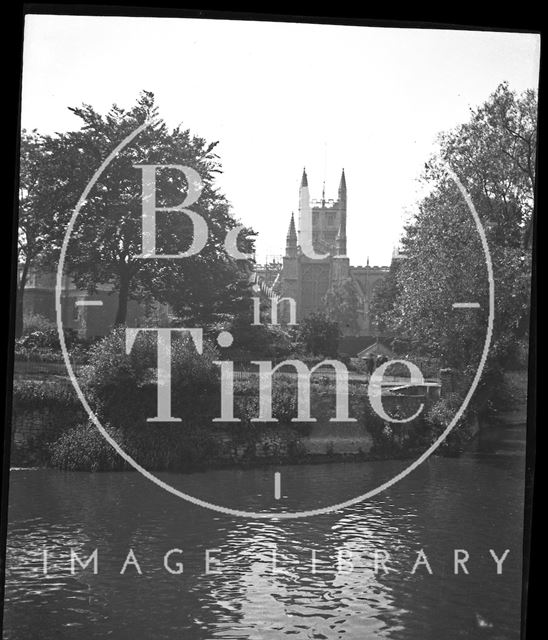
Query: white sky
point(280, 96)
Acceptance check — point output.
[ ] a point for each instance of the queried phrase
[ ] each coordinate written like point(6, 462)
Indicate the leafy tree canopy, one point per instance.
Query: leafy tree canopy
point(317, 335)
point(341, 306)
point(493, 155)
point(107, 237)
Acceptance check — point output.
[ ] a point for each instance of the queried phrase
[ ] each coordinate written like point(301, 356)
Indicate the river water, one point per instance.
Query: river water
point(473, 503)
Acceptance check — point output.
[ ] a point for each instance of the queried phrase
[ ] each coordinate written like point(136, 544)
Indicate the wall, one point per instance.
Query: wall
point(38, 422)
point(39, 298)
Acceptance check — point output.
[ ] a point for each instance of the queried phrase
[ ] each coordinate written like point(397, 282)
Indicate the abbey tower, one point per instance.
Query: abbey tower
point(307, 280)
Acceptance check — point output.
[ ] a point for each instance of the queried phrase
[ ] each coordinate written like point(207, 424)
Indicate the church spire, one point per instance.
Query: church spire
point(342, 187)
point(304, 179)
point(291, 238)
point(341, 244)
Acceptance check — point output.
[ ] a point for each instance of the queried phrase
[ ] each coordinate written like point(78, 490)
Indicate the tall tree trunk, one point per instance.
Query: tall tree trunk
point(123, 298)
point(19, 308)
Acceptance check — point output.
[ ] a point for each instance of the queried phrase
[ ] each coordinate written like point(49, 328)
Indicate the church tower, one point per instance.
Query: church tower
point(327, 218)
point(307, 279)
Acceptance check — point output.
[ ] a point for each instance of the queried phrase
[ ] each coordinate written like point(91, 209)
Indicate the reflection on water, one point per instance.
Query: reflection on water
point(324, 584)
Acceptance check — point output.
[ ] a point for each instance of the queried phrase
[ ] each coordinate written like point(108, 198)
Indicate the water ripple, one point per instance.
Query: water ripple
point(322, 584)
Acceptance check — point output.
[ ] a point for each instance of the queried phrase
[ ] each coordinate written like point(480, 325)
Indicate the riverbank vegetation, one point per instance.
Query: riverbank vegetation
point(443, 262)
point(122, 391)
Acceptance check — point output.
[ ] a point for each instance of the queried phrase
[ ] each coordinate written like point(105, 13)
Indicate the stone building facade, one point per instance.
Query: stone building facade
point(295, 275)
point(307, 280)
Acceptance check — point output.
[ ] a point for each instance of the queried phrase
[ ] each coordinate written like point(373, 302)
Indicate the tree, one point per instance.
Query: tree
point(107, 238)
point(253, 341)
point(35, 212)
point(341, 304)
point(318, 335)
point(385, 295)
point(493, 155)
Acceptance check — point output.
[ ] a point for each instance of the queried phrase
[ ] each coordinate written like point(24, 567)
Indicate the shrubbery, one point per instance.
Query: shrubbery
point(40, 341)
point(123, 388)
point(83, 448)
point(47, 338)
point(155, 447)
point(438, 418)
point(493, 394)
point(54, 404)
point(317, 335)
point(396, 438)
point(43, 394)
point(36, 322)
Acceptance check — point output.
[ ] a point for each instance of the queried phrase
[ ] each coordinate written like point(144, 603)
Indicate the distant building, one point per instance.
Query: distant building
point(294, 275)
point(307, 280)
point(377, 349)
point(88, 321)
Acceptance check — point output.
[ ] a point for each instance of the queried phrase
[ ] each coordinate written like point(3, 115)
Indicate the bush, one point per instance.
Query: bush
point(388, 438)
point(396, 438)
point(35, 322)
point(358, 365)
point(155, 447)
point(493, 394)
point(173, 447)
point(316, 334)
point(40, 394)
point(41, 412)
point(438, 418)
point(47, 338)
point(254, 342)
point(346, 359)
point(84, 448)
point(275, 438)
point(35, 354)
point(284, 399)
point(123, 387)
